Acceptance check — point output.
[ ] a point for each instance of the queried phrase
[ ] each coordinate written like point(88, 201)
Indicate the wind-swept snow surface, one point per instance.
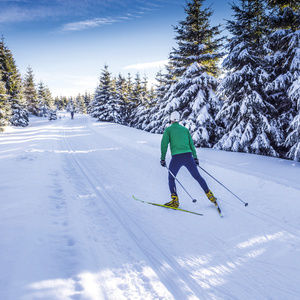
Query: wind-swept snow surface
point(70, 229)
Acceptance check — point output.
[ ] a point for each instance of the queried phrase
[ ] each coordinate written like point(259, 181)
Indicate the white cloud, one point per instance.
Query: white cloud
point(76, 26)
point(147, 65)
point(96, 22)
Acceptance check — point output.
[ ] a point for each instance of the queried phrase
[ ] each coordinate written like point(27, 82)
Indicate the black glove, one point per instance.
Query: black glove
point(196, 161)
point(163, 163)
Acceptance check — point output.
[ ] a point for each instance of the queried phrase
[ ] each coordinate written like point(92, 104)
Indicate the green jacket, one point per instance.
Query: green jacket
point(180, 141)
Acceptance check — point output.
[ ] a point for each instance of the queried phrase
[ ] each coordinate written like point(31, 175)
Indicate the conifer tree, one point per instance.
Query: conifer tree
point(145, 92)
point(103, 97)
point(151, 96)
point(80, 104)
point(193, 95)
point(5, 112)
point(148, 107)
point(43, 107)
point(284, 66)
point(197, 41)
point(13, 85)
point(30, 92)
point(129, 99)
point(137, 90)
point(58, 103)
point(49, 99)
point(87, 98)
point(157, 115)
point(112, 107)
point(129, 89)
point(246, 112)
point(191, 76)
point(137, 104)
point(121, 101)
point(293, 140)
point(163, 82)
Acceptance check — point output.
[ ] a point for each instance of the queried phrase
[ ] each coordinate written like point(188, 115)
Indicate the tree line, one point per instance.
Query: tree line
point(249, 103)
point(20, 98)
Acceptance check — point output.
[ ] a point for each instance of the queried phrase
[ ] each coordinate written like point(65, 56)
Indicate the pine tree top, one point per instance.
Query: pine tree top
point(197, 40)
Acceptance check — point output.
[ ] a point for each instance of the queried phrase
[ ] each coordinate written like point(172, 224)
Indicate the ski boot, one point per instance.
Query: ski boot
point(211, 197)
point(174, 202)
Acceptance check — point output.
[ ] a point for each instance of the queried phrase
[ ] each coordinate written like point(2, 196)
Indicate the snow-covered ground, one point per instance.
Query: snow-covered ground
point(69, 228)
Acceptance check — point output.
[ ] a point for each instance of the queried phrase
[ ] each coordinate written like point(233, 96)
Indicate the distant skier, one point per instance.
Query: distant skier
point(72, 110)
point(183, 154)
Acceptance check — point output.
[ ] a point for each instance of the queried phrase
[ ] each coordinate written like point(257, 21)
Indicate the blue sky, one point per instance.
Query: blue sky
point(67, 42)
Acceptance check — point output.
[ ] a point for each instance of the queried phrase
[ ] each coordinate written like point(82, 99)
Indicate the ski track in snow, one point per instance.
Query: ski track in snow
point(70, 229)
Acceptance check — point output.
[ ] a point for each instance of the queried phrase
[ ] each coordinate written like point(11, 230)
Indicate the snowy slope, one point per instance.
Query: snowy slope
point(70, 229)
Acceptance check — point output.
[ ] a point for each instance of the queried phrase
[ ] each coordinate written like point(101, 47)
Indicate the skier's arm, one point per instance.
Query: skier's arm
point(192, 146)
point(164, 144)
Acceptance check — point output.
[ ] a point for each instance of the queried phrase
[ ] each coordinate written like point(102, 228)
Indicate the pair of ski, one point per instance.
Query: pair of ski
point(183, 210)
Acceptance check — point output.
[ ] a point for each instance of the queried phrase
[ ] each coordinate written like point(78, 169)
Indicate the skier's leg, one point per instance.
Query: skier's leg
point(175, 165)
point(192, 167)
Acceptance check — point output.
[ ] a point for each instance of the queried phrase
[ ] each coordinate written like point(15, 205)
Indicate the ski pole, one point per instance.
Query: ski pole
point(194, 200)
point(245, 203)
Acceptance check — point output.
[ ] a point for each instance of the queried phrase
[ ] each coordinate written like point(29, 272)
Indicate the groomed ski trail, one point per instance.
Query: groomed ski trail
point(95, 242)
point(170, 274)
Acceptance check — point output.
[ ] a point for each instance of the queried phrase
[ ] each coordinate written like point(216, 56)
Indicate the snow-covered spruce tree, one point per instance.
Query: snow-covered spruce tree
point(87, 98)
point(284, 64)
point(19, 115)
point(49, 99)
point(58, 103)
point(150, 102)
point(157, 117)
point(61, 102)
point(52, 115)
point(95, 106)
point(64, 101)
point(80, 104)
point(147, 102)
point(130, 100)
point(30, 92)
point(5, 112)
point(246, 112)
point(193, 95)
point(13, 85)
point(110, 112)
point(103, 103)
point(43, 101)
point(143, 102)
point(145, 92)
point(194, 67)
point(293, 140)
point(116, 103)
point(121, 101)
point(144, 115)
point(137, 101)
point(197, 41)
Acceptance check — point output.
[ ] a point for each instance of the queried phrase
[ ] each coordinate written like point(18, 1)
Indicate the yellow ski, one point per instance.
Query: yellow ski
point(157, 204)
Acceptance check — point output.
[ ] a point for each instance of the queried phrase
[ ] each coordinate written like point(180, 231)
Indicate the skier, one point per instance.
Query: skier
point(183, 154)
point(72, 110)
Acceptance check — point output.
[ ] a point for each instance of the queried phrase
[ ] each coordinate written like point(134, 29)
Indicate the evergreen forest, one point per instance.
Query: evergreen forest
point(234, 92)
